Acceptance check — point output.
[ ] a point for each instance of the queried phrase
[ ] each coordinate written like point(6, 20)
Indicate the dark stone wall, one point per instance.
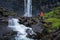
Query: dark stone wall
point(38, 5)
point(13, 5)
point(44, 5)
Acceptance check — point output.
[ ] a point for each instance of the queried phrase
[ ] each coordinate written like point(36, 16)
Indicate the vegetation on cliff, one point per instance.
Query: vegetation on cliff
point(53, 18)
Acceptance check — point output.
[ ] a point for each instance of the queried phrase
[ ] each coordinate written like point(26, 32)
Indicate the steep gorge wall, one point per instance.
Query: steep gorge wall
point(37, 5)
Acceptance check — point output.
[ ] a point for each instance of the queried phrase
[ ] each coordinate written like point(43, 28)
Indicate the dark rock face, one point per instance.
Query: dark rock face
point(38, 28)
point(34, 24)
point(52, 36)
point(18, 5)
point(5, 32)
point(13, 5)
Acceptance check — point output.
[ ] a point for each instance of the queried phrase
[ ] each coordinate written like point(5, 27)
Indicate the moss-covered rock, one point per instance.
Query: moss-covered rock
point(53, 17)
point(5, 13)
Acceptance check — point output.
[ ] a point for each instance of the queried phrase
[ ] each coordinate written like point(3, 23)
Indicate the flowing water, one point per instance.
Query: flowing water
point(21, 29)
point(13, 23)
point(28, 8)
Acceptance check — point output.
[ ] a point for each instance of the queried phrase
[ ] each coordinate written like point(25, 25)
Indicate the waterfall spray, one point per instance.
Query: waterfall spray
point(21, 29)
point(28, 8)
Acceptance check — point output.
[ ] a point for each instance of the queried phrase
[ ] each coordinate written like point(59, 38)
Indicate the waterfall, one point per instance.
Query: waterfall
point(28, 8)
point(21, 29)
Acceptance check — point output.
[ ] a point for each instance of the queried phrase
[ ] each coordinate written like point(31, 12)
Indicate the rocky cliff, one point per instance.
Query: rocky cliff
point(37, 5)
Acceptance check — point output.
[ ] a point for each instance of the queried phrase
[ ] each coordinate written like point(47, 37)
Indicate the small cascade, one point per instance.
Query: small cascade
point(28, 8)
point(21, 29)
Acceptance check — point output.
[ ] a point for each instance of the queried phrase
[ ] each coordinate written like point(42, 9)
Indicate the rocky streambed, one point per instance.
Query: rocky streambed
point(5, 32)
point(35, 23)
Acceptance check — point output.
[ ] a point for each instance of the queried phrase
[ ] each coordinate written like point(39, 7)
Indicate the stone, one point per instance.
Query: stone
point(38, 28)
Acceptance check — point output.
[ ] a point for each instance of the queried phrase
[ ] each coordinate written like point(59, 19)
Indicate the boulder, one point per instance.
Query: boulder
point(38, 28)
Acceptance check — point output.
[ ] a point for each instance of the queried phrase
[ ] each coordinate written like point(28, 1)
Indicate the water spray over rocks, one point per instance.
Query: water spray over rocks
point(21, 29)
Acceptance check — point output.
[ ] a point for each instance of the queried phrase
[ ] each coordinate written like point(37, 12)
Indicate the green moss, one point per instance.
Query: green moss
point(53, 17)
point(49, 30)
point(54, 13)
point(55, 22)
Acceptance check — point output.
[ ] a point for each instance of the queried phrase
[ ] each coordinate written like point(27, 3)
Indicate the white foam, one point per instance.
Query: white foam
point(21, 29)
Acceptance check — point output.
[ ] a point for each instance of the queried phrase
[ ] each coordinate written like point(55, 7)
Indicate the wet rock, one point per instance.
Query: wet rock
point(27, 21)
point(49, 23)
point(22, 20)
point(58, 37)
point(52, 36)
point(7, 35)
point(38, 28)
point(27, 24)
point(5, 32)
point(47, 37)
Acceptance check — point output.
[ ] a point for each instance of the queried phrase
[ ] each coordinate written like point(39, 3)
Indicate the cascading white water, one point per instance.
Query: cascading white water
point(28, 8)
point(21, 29)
